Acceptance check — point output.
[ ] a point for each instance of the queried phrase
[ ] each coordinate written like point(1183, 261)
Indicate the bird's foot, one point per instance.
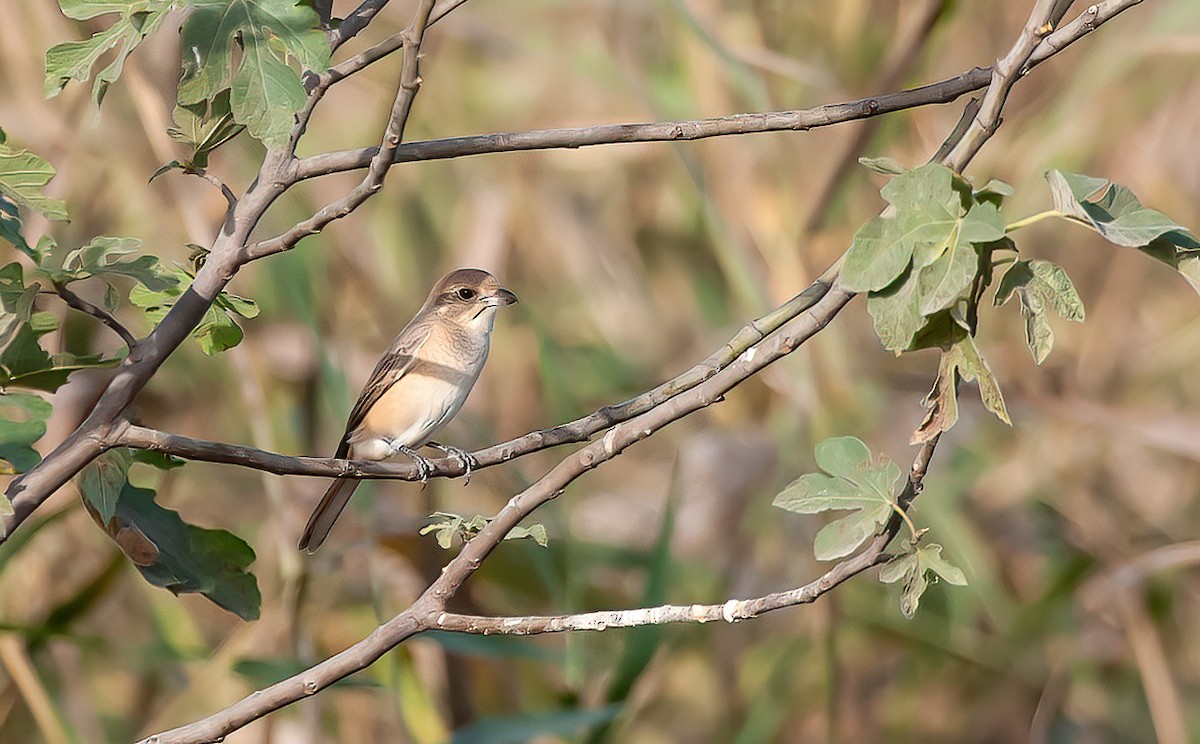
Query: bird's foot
point(422, 464)
point(462, 457)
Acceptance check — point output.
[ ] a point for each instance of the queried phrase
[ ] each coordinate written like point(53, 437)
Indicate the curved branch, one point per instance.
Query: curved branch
point(99, 313)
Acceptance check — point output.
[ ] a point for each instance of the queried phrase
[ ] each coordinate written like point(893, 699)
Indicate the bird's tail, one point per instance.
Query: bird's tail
point(326, 513)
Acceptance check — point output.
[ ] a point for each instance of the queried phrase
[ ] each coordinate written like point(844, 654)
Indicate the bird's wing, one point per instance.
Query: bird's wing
point(394, 364)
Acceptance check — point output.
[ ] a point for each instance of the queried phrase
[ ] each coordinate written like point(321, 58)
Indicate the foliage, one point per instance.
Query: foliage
point(447, 526)
point(913, 570)
point(238, 58)
point(167, 551)
point(852, 480)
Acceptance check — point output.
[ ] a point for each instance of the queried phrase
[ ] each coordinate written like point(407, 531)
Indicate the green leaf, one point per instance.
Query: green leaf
point(448, 526)
point(159, 460)
point(217, 330)
point(22, 422)
point(204, 126)
point(1176, 251)
point(169, 552)
point(107, 256)
point(265, 90)
point(913, 569)
point(960, 360)
point(22, 176)
point(16, 301)
point(535, 532)
point(852, 480)
point(1040, 285)
point(1112, 210)
point(926, 209)
point(993, 192)
point(886, 166)
point(896, 312)
point(75, 60)
point(102, 480)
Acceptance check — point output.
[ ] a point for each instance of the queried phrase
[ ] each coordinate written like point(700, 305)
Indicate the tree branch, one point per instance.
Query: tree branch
point(942, 91)
point(96, 312)
point(352, 24)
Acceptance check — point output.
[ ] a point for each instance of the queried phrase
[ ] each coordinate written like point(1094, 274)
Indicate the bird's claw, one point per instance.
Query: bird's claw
point(423, 465)
point(462, 457)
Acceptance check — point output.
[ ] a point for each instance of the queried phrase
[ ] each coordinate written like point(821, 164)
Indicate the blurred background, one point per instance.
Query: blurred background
point(1077, 527)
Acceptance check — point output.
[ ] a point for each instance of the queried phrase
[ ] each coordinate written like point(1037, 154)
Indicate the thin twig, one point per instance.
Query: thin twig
point(352, 24)
point(319, 83)
point(96, 312)
point(730, 611)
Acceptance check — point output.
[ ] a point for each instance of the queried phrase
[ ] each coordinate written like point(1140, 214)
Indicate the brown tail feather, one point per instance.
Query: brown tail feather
point(326, 513)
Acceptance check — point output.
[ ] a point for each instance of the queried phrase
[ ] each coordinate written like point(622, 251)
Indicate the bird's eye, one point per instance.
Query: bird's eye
point(466, 293)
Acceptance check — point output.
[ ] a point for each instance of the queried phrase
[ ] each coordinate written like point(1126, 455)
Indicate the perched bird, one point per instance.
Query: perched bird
point(418, 385)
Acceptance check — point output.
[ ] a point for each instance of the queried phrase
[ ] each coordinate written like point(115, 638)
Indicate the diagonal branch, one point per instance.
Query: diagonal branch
point(579, 430)
point(352, 24)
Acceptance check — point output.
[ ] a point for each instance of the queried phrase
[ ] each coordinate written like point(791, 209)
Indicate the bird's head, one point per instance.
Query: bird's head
point(469, 297)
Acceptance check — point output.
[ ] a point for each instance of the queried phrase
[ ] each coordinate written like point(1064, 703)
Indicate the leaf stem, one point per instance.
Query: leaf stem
point(904, 515)
point(1032, 219)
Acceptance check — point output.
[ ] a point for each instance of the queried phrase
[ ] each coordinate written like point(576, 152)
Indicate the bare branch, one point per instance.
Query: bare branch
point(319, 83)
point(943, 91)
point(96, 312)
point(663, 131)
point(352, 24)
point(1007, 70)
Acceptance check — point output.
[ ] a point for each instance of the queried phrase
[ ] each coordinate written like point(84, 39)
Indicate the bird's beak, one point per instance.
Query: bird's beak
point(500, 297)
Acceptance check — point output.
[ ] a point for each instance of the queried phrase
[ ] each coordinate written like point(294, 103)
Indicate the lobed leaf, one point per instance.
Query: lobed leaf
point(217, 329)
point(22, 176)
point(76, 60)
point(961, 360)
point(1116, 213)
point(1041, 285)
point(265, 91)
point(23, 419)
point(853, 480)
point(913, 570)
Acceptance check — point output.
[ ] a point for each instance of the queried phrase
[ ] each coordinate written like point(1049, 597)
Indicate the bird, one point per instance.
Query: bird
point(419, 384)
